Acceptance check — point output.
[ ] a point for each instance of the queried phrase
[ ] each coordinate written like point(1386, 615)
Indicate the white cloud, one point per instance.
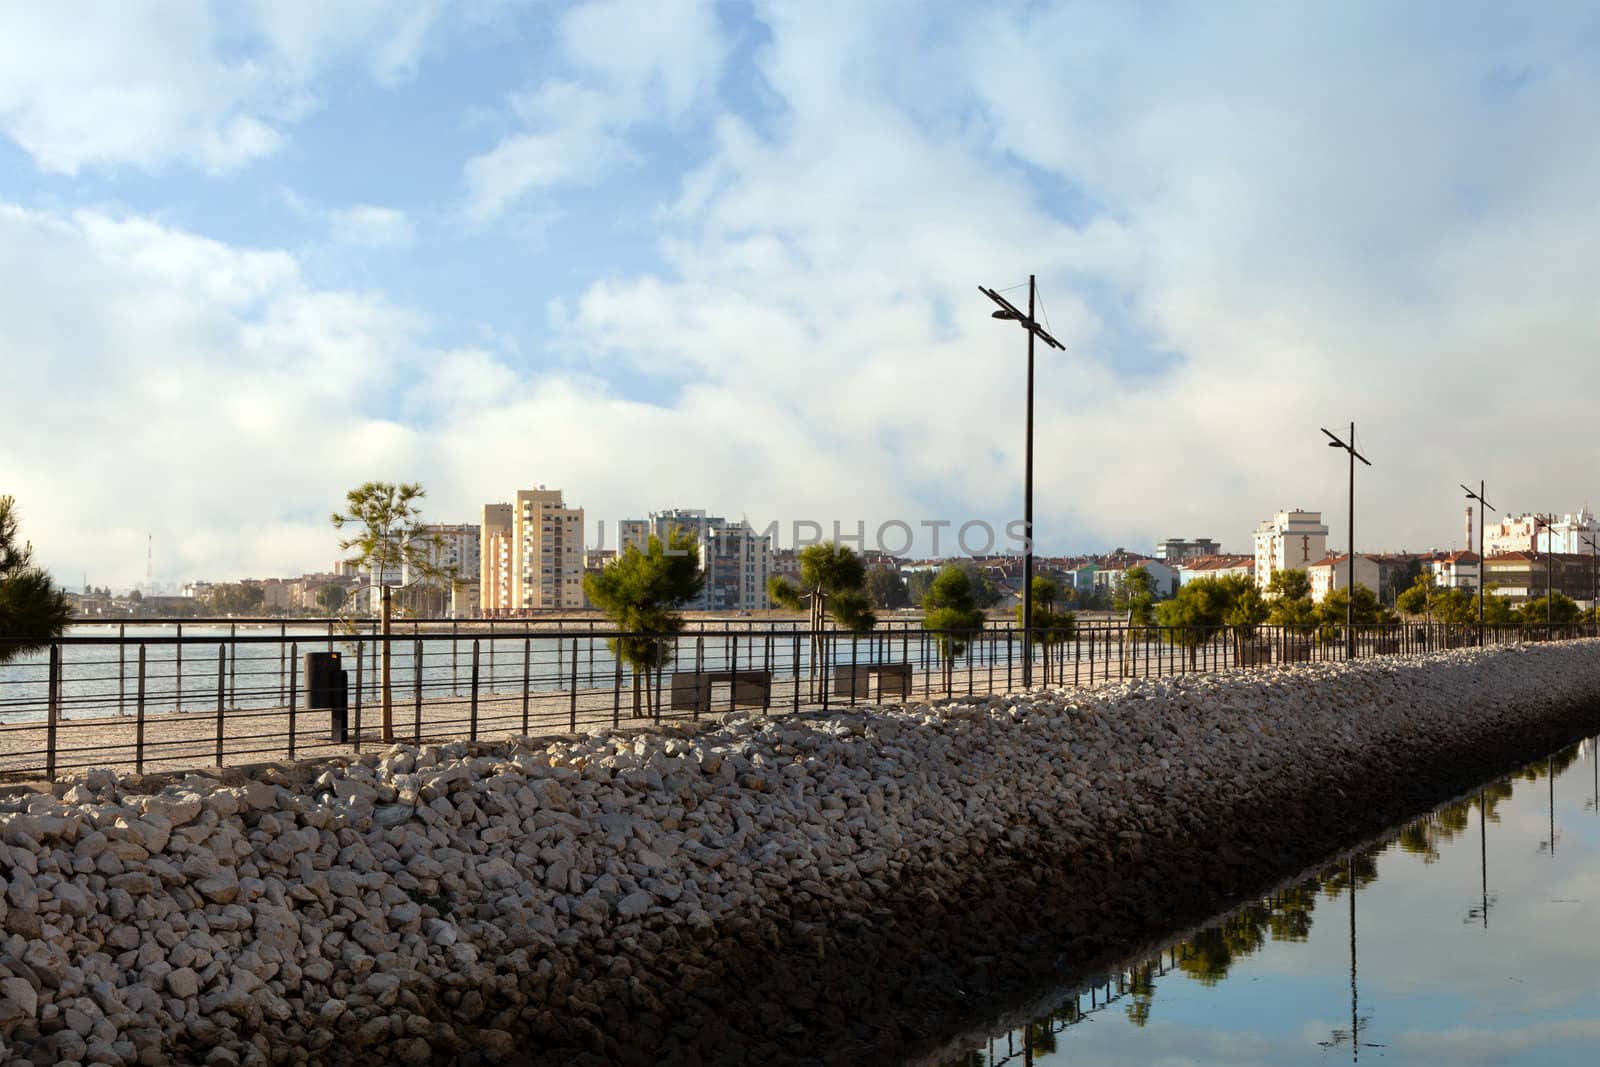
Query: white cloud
point(213, 85)
point(1318, 216)
point(630, 62)
point(372, 227)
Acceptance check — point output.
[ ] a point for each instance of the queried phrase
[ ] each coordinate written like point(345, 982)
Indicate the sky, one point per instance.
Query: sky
point(665, 253)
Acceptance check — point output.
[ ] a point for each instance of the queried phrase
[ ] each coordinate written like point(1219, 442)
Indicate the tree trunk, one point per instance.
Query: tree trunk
point(388, 697)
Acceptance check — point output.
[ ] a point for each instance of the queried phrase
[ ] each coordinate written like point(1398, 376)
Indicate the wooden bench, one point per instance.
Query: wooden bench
point(1297, 650)
point(894, 680)
point(691, 690)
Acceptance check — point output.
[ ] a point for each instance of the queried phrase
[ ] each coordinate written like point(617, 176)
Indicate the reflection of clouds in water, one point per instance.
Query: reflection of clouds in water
point(1449, 983)
point(1465, 1044)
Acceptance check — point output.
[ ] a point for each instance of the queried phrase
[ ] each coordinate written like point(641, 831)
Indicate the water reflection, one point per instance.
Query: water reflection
point(1441, 983)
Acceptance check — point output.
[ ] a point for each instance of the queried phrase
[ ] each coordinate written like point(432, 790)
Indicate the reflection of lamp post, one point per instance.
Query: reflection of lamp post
point(1011, 312)
point(1350, 573)
point(1550, 772)
point(1483, 520)
point(1357, 1024)
point(1483, 860)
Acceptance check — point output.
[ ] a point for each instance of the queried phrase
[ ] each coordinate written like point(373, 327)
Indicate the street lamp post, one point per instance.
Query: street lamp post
point(1549, 550)
point(1011, 312)
point(1594, 580)
point(1483, 520)
point(1350, 572)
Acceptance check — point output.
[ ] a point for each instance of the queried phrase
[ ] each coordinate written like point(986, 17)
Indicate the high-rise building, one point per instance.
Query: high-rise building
point(454, 548)
point(1176, 549)
point(1527, 533)
point(496, 533)
point(736, 560)
point(531, 555)
point(1290, 540)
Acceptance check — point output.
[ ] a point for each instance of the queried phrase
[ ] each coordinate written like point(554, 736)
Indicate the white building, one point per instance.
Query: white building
point(735, 559)
point(1458, 570)
point(1215, 567)
point(1111, 571)
point(1289, 541)
point(1333, 572)
point(456, 549)
point(1527, 533)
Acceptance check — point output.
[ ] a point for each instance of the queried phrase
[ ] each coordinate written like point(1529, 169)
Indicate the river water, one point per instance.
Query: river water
point(1472, 936)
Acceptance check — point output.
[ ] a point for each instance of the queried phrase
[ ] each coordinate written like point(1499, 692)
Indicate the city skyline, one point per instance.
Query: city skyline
point(248, 262)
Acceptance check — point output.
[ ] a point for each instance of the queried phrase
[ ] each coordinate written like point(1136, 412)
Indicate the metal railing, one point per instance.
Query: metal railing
point(218, 694)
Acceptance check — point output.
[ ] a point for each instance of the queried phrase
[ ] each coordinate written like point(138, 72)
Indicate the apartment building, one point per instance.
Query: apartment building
point(736, 560)
point(454, 548)
point(1218, 566)
point(1454, 570)
point(496, 534)
point(1177, 550)
point(1290, 540)
point(1521, 576)
point(531, 555)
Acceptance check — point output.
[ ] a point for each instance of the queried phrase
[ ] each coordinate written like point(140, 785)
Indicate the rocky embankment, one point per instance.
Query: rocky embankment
point(808, 888)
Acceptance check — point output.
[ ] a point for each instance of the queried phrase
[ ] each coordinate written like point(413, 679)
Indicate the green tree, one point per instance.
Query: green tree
point(1200, 609)
point(1135, 595)
point(135, 597)
point(330, 598)
point(833, 583)
point(1050, 626)
point(641, 592)
point(1366, 612)
point(1563, 611)
point(1289, 601)
point(1498, 610)
point(1419, 598)
point(33, 611)
point(887, 589)
point(1289, 585)
point(235, 598)
point(951, 612)
point(388, 539)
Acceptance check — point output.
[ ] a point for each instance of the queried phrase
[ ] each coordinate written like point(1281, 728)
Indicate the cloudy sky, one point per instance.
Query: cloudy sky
point(663, 253)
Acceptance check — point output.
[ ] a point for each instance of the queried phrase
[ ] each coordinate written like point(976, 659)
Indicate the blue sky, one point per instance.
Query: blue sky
point(726, 256)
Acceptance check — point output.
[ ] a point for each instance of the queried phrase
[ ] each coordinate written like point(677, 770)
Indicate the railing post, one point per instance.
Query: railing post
point(573, 714)
point(733, 673)
point(855, 676)
point(527, 670)
point(797, 671)
point(53, 711)
point(360, 661)
point(472, 718)
point(138, 729)
point(122, 685)
point(823, 668)
point(222, 697)
point(294, 695)
point(416, 689)
point(616, 689)
point(233, 661)
point(178, 684)
point(283, 641)
point(455, 684)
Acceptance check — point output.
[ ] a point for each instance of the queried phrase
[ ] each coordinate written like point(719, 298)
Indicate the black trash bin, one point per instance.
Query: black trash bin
point(339, 708)
point(320, 669)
